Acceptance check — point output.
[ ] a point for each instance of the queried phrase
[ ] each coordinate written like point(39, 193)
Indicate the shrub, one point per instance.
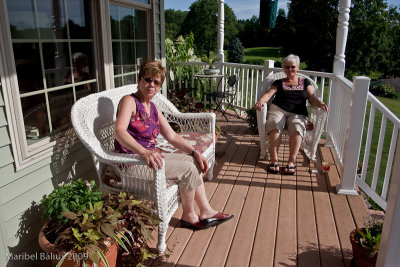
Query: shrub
point(236, 51)
point(385, 90)
point(252, 118)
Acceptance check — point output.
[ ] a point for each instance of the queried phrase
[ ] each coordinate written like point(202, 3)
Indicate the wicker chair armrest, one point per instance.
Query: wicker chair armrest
point(121, 158)
point(193, 122)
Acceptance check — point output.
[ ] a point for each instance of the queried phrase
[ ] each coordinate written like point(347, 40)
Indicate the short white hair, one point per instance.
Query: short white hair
point(291, 58)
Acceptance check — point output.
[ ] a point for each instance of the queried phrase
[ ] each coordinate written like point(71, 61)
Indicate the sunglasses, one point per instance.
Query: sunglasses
point(157, 83)
point(289, 67)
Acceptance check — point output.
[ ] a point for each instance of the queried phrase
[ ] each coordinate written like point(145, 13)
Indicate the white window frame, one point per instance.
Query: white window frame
point(24, 154)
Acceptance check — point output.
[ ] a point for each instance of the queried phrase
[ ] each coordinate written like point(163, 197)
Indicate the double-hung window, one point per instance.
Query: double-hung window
point(57, 51)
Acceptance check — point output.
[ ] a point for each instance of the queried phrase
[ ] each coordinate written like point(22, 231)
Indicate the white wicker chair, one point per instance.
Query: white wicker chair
point(93, 119)
point(317, 116)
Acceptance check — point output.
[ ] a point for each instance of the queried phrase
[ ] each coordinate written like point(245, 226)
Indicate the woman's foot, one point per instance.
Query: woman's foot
point(273, 168)
point(290, 169)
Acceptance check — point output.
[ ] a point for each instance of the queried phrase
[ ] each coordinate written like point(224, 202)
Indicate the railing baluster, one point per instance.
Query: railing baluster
point(368, 142)
point(390, 162)
point(379, 153)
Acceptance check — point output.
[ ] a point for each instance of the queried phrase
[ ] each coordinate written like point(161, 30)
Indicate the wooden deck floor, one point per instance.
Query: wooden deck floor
point(280, 220)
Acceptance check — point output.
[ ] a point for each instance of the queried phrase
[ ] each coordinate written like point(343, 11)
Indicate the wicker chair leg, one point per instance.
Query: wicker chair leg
point(162, 232)
point(210, 173)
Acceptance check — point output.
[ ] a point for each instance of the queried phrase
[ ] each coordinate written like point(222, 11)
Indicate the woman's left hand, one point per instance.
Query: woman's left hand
point(324, 106)
point(202, 161)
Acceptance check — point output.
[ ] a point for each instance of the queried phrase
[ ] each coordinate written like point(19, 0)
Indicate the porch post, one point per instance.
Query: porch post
point(388, 251)
point(341, 37)
point(221, 19)
point(354, 136)
point(268, 64)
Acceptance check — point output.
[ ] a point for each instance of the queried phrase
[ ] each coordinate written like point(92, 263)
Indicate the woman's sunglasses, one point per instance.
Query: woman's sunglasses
point(149, 81)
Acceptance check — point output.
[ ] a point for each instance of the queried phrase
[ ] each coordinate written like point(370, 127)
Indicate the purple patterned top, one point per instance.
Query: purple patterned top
point(143, 128)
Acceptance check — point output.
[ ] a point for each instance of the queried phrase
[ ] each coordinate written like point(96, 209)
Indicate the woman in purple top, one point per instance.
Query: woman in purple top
point(288, 108)
point(139, 121)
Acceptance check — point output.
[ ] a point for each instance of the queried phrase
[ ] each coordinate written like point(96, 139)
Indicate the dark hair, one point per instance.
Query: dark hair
point(152, 68)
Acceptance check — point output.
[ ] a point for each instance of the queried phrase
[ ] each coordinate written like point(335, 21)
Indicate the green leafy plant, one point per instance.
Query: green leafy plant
point(210, 59)
point(180, 50)
point(84, 226)
point(72, 197)
point(251, 117)
point(369, 237)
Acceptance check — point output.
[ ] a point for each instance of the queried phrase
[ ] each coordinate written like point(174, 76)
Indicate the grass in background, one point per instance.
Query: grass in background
point(257, 55)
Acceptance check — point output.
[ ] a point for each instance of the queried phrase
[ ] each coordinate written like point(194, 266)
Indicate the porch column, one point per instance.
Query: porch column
point(388, 251)
point(341, 37)
point(221, 19)
point(354, 136)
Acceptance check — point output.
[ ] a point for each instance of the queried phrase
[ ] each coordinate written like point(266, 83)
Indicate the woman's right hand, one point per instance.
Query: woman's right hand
point(259, 104)
point(153, 158)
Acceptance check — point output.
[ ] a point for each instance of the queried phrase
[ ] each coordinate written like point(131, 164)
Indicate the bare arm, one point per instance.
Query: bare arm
point(177, 141)
point(266, 97)
point(314, 100)
point(126, 110)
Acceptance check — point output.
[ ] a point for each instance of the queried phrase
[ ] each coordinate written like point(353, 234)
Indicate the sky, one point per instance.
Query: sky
point(243, 9)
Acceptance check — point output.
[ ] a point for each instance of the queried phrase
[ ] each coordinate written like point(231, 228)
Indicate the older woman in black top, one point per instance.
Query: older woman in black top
point(288, 108)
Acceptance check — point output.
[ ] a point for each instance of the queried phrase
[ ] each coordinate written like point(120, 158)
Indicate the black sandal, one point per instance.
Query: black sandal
point(289, 168)
point(275, 167)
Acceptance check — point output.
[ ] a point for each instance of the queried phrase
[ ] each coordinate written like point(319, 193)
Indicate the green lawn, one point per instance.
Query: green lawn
point(257, 55)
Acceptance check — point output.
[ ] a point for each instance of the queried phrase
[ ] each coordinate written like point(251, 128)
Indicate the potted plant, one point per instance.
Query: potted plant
point(85, 226)
point(365, 243)
point(211, 59)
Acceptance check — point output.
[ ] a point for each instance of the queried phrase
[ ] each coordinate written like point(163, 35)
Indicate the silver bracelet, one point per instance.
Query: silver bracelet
point(194, 150)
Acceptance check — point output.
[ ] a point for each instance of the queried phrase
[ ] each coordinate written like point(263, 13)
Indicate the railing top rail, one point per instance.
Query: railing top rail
point(240, 65)
point(382, 108)
point(189, 63)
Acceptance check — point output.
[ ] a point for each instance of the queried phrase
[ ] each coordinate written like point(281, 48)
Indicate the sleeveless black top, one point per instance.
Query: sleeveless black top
point(292, 98)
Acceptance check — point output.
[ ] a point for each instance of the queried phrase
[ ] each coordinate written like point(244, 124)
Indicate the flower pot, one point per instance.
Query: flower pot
point(211, 71)
point(361, 257)
point(110, 253)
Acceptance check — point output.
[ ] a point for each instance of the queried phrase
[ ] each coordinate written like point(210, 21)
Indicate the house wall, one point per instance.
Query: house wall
point(21, 191)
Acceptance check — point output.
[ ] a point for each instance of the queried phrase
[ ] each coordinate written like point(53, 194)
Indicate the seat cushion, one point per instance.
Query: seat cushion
point(200, 141)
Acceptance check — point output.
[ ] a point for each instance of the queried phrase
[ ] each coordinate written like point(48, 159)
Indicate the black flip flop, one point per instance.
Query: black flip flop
point(275, 166)
point(288, 168)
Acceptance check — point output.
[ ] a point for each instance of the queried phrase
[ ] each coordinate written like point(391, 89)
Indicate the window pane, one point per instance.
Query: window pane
point(126, 23)
point(35, 117)
point(141, 24)
point(21, 17)
point(29, 71)
point(51, 14)
point(116, 48)
point(129, 32)
point(60, 103)
point(79, 19)
point(56, 63)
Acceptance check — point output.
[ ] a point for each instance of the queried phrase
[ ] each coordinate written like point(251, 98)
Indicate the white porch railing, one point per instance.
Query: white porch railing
point(359, 150)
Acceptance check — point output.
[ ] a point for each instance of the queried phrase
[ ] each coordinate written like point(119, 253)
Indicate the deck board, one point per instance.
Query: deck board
point(280, 220)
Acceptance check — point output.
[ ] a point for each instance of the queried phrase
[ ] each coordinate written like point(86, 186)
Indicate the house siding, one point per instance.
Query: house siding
point(21, 191)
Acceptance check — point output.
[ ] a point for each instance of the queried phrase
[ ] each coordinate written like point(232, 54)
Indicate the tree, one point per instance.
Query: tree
point(173, 22)
point(202, 20)
point(236, 51)
point(380, 52)
point(311, 32)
